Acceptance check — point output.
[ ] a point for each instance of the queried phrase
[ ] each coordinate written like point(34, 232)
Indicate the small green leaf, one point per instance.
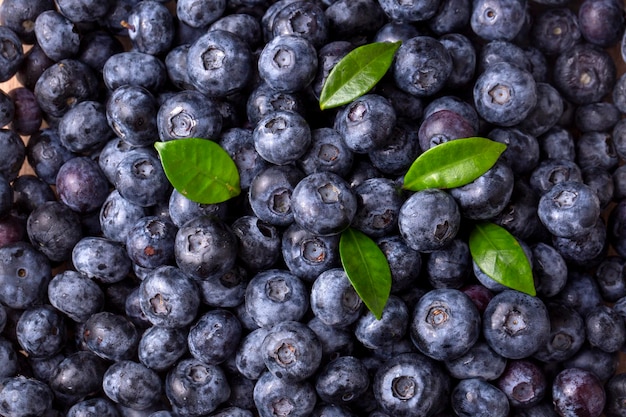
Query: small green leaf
point(199, 169)
point(499, 255)
point(453, 163)
point(357, 73)
point(367, 269)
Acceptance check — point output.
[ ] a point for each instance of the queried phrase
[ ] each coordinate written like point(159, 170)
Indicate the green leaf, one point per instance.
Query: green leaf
point(199, 169)
point(357, 73)
point(367, 269)
point(499, 255)
point(453, 163)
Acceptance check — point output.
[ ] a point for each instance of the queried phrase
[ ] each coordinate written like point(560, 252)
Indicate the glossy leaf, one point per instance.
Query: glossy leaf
point(199, 169)
point(453, 163)
point(499, 255)
point(357, 73)
point(367, 269)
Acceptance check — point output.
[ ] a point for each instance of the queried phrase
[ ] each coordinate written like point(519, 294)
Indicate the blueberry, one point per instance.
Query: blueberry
point(276, 295)
point(605, 185)
point(600, 363)
point(410, 12)
point(587, 249)
point(24, 275)
point(161, 347)
point(411, 384)
point(131, 112)
point(150, 27)
point(605, 329)
point(557, 143)
point(449, 266)
point(200, 14)
point(56, 35)
point(578, 392)
point(456, 105)
point(584, 73)
point(323, 203)
point(546, 112)
point(281, 137)
point(84, 128)
point(8, 355)
point(75, 295)
point(502, 51)
point(306, 254)
point(101, 259)
point(226, 291)
point(462, 52)
point(519, 216)
point(81, 185)
point(422, 66)
point(404, 263)
point(445, 324)
point(475, 397)
point(73, 82)
point(494, 19)
point(611, 278)
point(249, 359)
point(367, 123)
point(550, 172)
point(392, 326)
point(96, 406)
point(569, 209)
point(20, 18)
point(110, 336)
point(139, 178)
point(601, 22)
point(555, 30)
point(451, 17)
point(273, 395)
point(194, 388)
point(304, 19)
point(96, 47)
point(328, 56)
point(132, 385)
point(350, 18)
point(614, 389)
point(29, 192)
point(342, 380)
point(247, 26)
point(150, 242)
point(425, 230)
point(378, 207)
point(188, 114)
point(504, 94)
point(524, 383)
point(205, 248)
point(396, 156)
point(134, 68)
point(515, 325)
point(326, 152)
point(27, 117)
point(21, 396)
point(259, 243)
point(219, 63)
point(12, 53)
point(270, 194)
point(239, 144)
point(168, 298)
point(480, 361)
point(14, 154)
point(41, 331)
point(78, 375)
point(214, 337)
point(336, 341)
point(333, 299)
point(46, 154)
point(117, 216)
point(291, 351)
point(549, 270)
point(54, 228)
point(443, 126)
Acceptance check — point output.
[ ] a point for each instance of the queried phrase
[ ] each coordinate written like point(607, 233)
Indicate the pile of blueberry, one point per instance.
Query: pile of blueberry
point(119, 296)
